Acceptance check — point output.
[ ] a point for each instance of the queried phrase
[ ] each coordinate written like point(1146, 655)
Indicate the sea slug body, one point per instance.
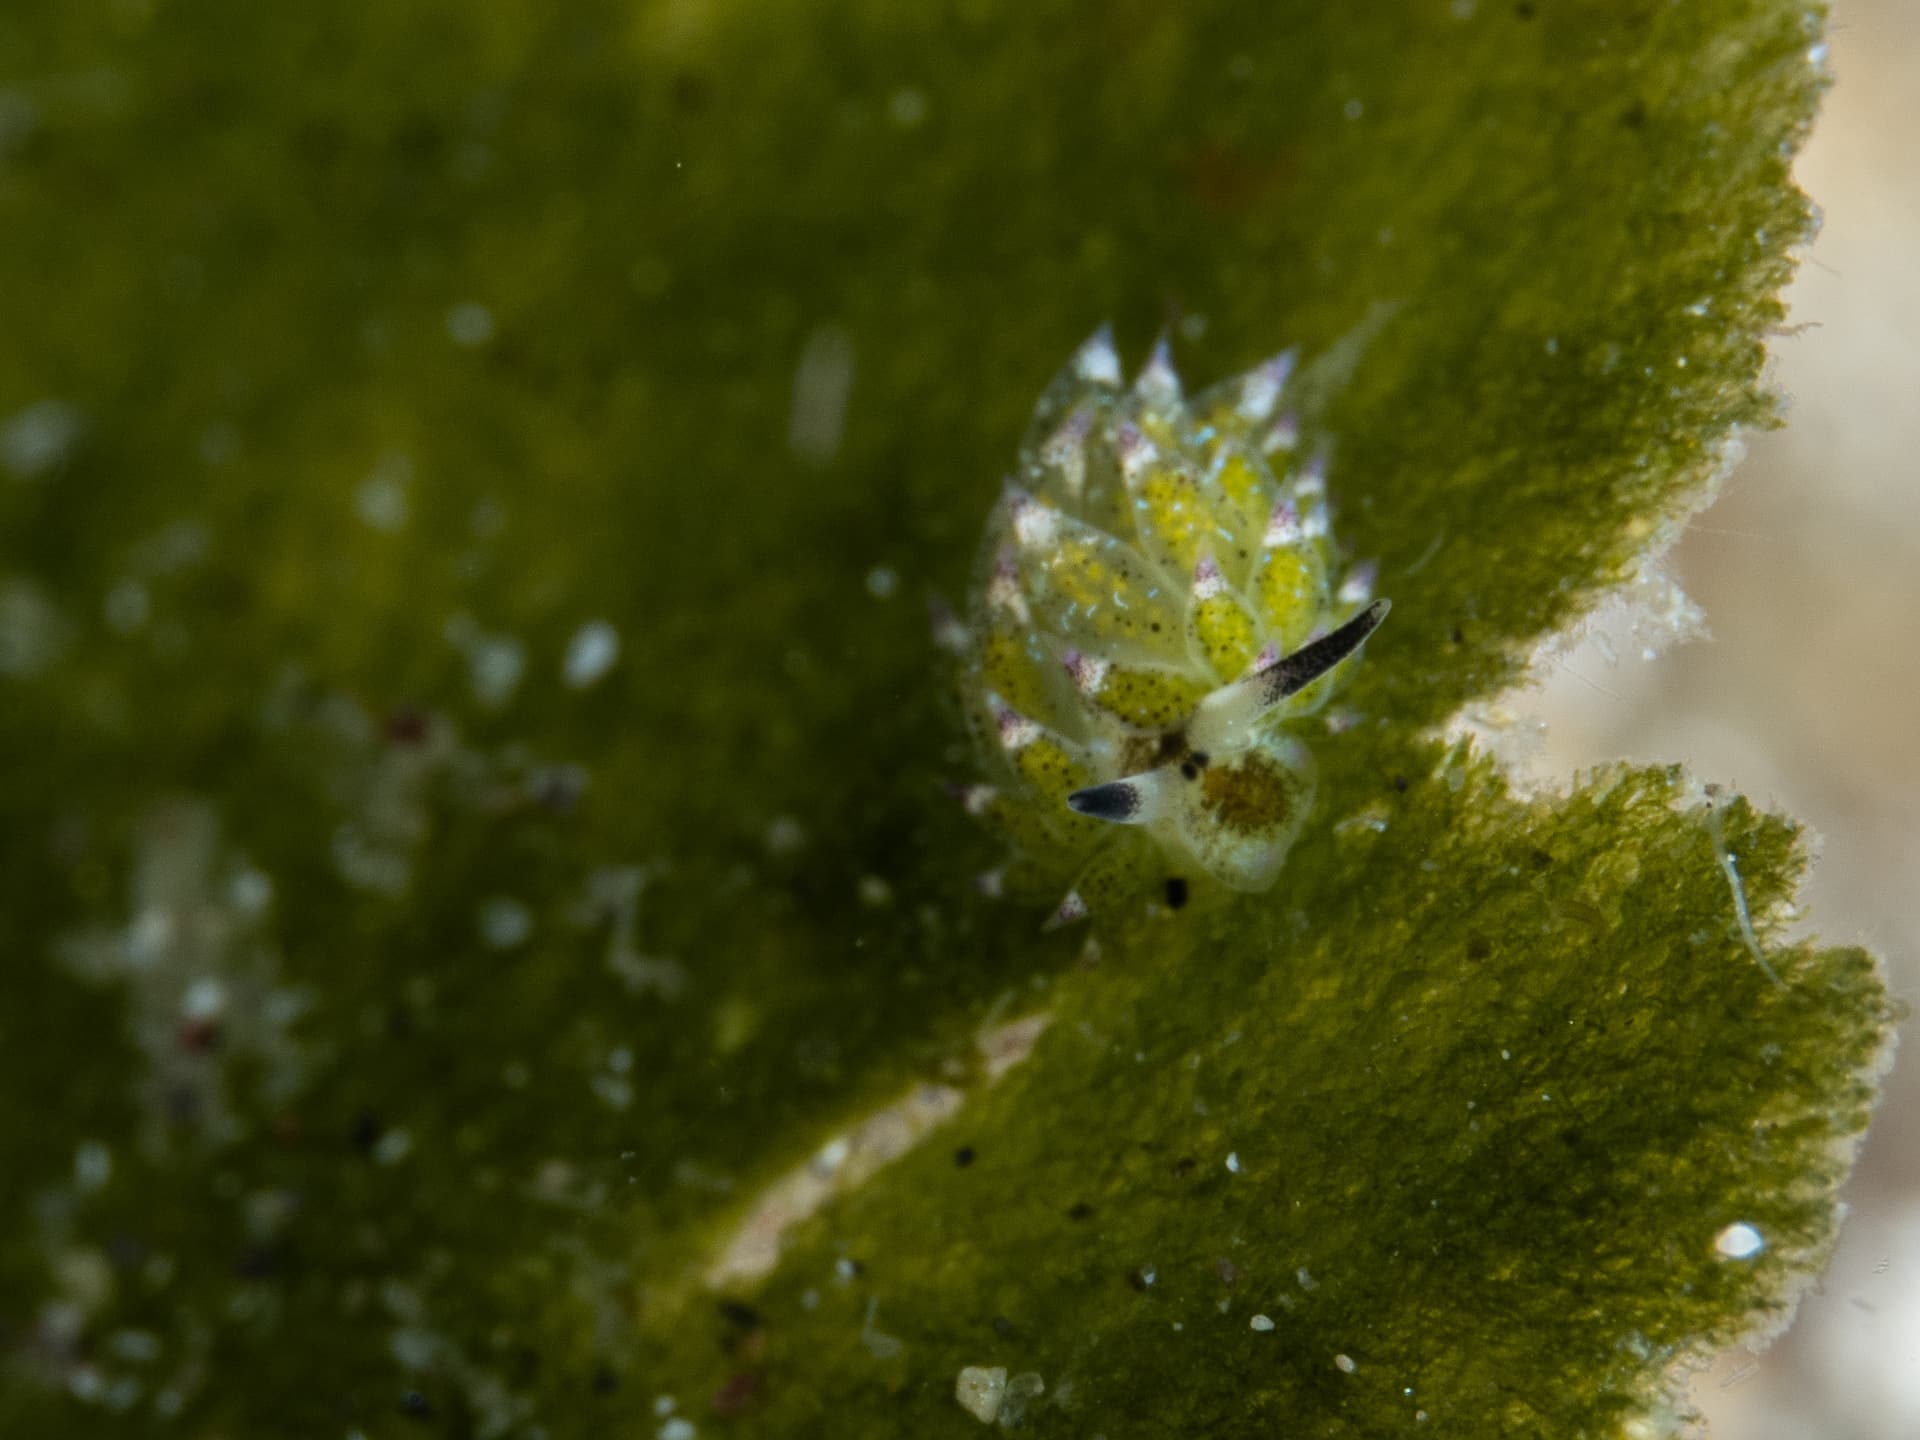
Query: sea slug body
point(1153, 606)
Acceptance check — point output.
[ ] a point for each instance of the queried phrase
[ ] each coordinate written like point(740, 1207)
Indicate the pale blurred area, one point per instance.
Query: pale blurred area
point(1808, 697)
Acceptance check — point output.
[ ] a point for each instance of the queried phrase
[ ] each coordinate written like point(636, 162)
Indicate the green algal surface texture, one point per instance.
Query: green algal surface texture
point(408, 999)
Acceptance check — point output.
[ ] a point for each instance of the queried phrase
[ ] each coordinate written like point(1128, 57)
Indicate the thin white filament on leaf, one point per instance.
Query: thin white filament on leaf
point(1740, 910)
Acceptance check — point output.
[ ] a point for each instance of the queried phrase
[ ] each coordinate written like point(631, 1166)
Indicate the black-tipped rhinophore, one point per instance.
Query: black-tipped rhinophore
point(1291, 674)
point(1117, 800)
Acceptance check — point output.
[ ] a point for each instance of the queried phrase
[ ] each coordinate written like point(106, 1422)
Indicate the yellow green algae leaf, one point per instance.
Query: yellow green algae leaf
point(1482, 1124)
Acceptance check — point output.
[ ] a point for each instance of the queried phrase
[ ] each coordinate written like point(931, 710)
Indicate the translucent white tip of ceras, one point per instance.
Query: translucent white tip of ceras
point(991, 883)
point(1065, 450)
point(1207, 579)
point(1003, 590)
point(1088, 672)
point(1137, 452)
point(1357, 586)
point(1071, 909)
point(1283, 526)
point(1097, 361)
point(1158, 382)
point(1260, 389)
point(1034, 523)
point(1283, 434)
point(1311, 482)
point(1317, 525)
point(1016, 730)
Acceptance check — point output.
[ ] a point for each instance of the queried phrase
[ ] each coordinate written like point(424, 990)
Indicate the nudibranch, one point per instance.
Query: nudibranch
point(1154, 608)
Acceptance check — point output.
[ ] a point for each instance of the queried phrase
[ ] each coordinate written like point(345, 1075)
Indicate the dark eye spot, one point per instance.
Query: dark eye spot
point(1190, 770)
point(1176, 892)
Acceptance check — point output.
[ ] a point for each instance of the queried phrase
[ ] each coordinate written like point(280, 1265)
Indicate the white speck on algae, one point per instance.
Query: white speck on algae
point(38, 440)
point(591, 653)
point(822, 380)
point(470, 323)
point(981, 1390)
point(504, 922)
point(33, 632)
point(382, 501)
point(495, 664)
point(1739, 1241)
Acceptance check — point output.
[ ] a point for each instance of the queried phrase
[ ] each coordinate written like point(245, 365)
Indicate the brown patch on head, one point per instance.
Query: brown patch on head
point(1140, 753)
point(1253, 795)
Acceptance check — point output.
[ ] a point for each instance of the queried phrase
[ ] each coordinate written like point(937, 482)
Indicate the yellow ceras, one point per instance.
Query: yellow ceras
point(1153, 606)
